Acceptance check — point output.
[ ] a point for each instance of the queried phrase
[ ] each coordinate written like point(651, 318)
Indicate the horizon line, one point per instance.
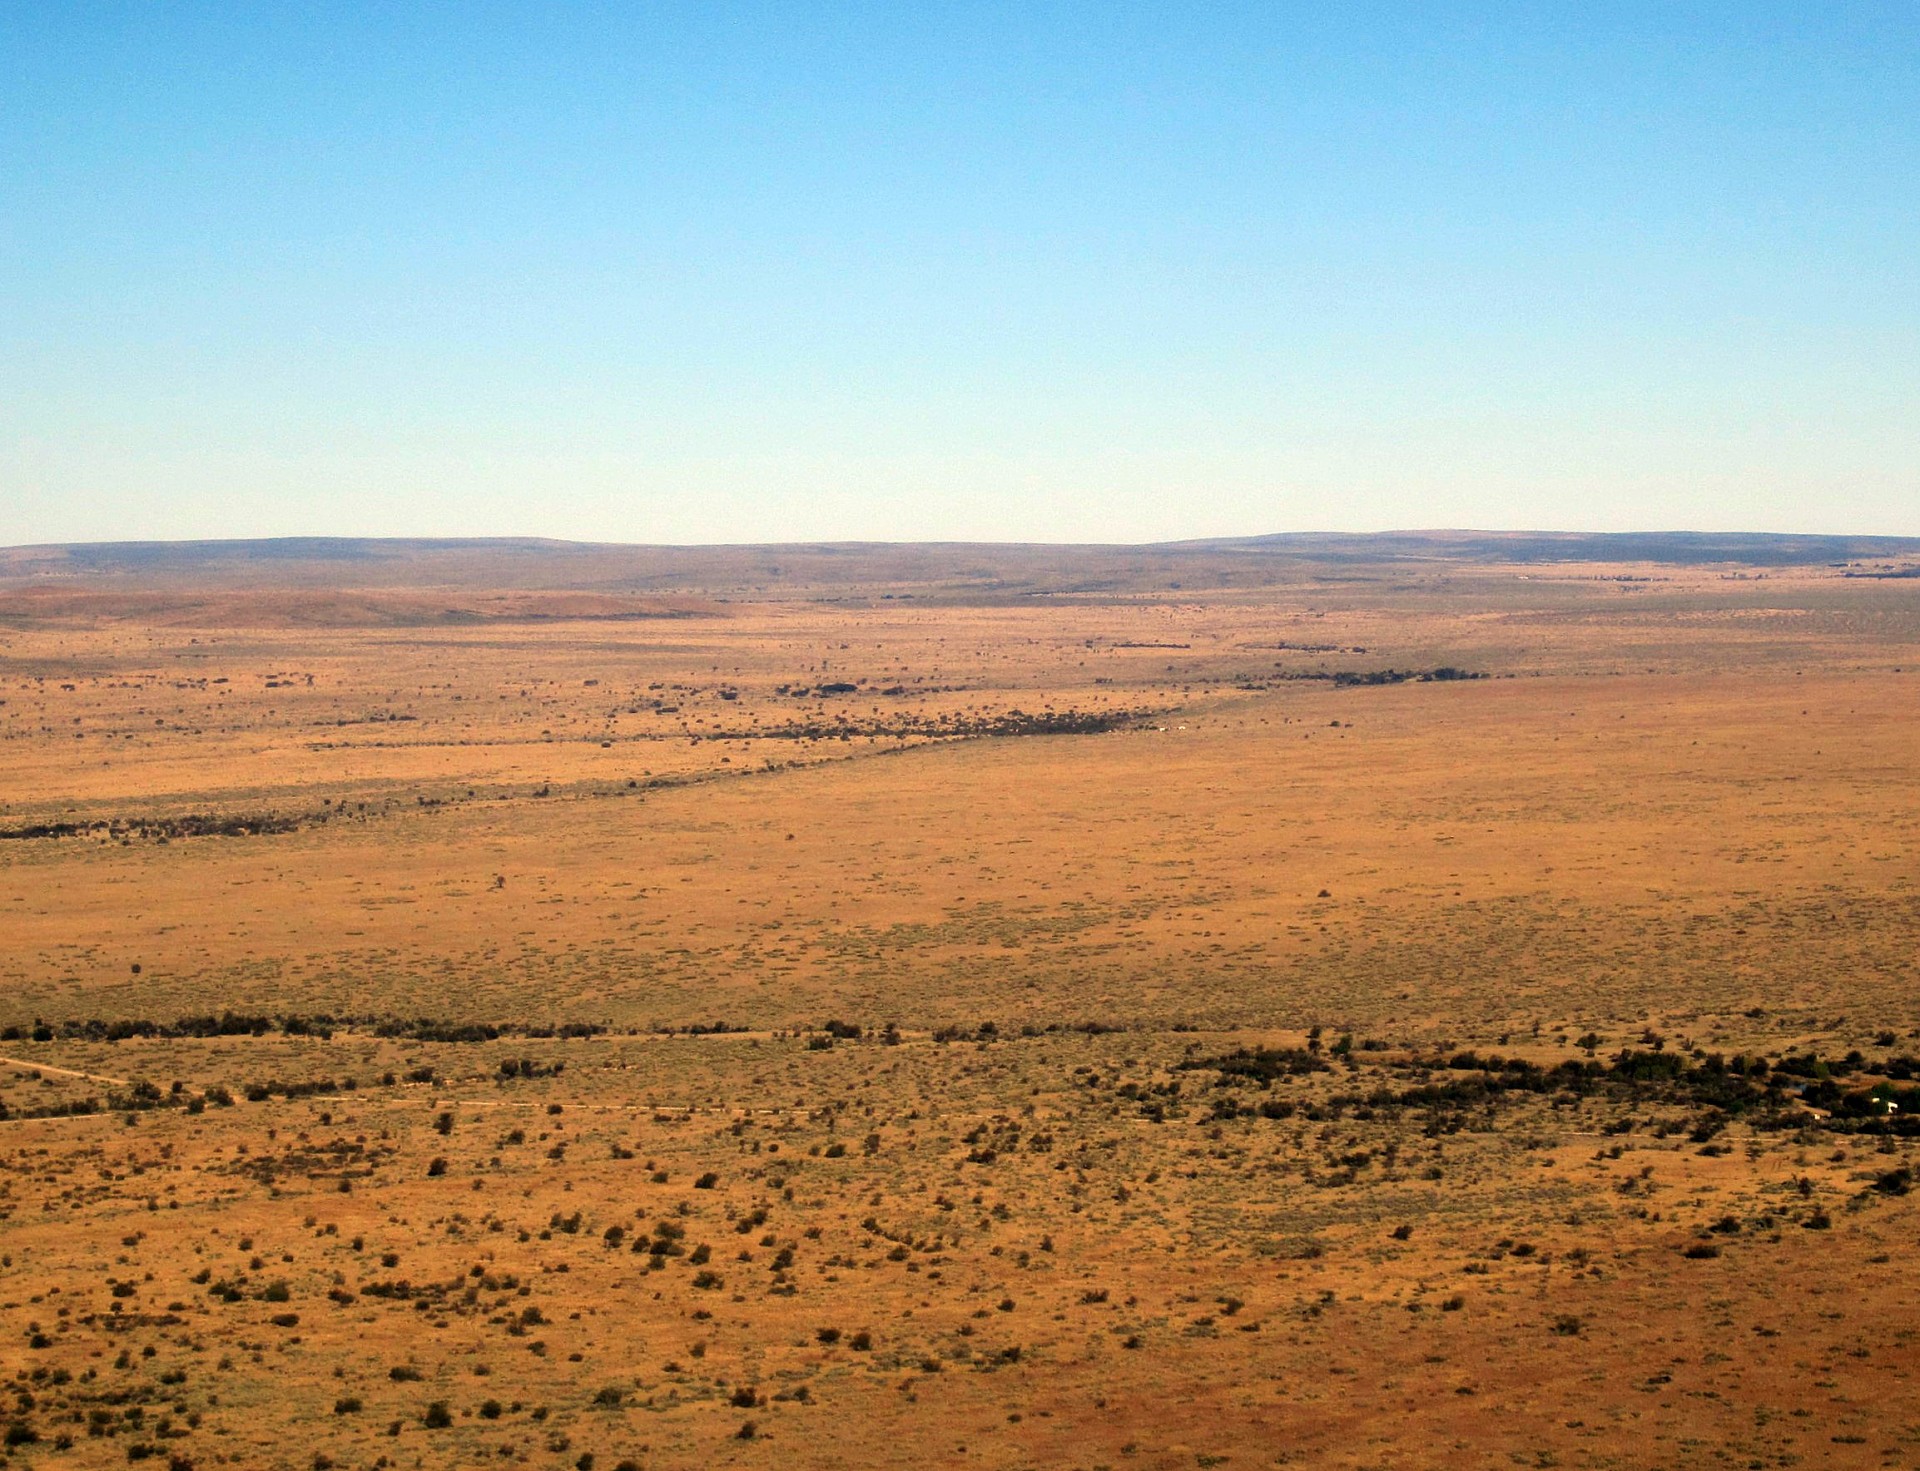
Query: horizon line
point(504, 540)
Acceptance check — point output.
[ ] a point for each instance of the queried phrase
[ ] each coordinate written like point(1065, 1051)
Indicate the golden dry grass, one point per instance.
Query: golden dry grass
point(1682, 807)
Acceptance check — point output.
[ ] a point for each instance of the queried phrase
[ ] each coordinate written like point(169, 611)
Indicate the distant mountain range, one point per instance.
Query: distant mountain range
point(980, 568)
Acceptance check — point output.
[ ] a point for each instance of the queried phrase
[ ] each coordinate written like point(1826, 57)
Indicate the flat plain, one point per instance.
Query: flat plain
point(1395, 1005)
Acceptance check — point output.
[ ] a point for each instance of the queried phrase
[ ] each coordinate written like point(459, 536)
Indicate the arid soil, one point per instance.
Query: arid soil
point(1368, 1014)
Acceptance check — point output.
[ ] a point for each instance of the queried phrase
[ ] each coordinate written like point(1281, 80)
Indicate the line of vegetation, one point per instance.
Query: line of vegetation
point(265, 824)
point(192, 825)
point(1357, 678)
point(946, 726)
point(1789, 1093)
point(1446, 673)
point(143, 1096)
point(321, 1025)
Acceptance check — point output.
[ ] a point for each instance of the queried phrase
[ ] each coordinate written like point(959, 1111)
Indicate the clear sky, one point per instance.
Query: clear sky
point(732, 272)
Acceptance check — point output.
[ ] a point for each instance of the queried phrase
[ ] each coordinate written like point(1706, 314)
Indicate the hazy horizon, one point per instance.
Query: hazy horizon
point(1440, 538)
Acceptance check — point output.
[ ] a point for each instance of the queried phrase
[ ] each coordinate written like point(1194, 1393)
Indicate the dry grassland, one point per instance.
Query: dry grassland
point(752, 1026)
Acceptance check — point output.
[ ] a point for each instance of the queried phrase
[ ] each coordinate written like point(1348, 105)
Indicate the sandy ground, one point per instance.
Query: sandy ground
point(1075, 852)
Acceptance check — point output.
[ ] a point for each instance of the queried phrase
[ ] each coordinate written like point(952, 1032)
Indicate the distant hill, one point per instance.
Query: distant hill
point(1672, 548)
point(827, 569)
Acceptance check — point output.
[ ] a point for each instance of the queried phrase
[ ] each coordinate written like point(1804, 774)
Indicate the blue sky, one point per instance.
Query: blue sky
point(1118, 272)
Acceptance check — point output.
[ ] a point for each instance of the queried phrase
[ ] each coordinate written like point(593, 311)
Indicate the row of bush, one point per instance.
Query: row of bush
point(322, 1025)
point(1744, 1087)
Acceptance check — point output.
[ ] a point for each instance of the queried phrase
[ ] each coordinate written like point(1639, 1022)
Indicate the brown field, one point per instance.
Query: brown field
point(1230, 1064)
